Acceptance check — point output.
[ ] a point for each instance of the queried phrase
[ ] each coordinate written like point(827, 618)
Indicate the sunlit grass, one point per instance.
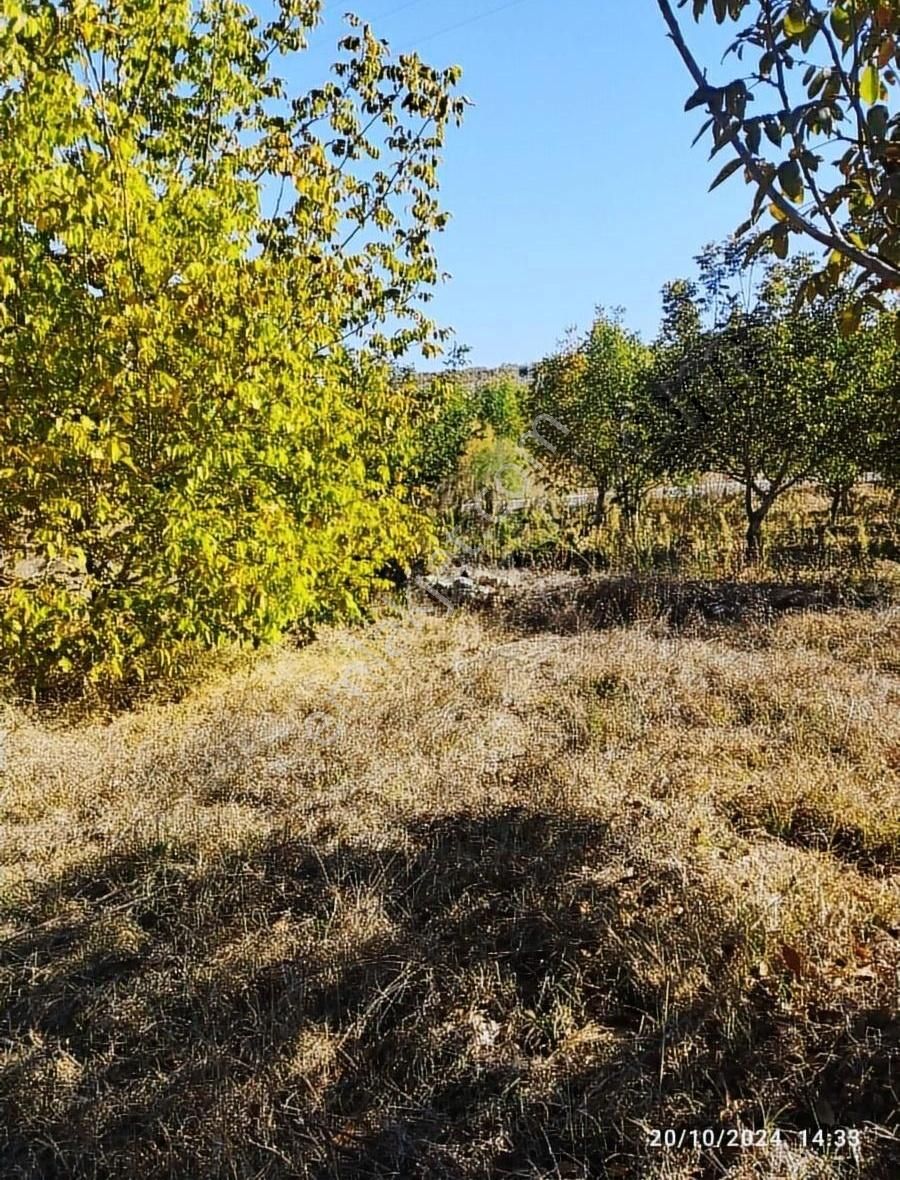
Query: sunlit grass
point(448, 898)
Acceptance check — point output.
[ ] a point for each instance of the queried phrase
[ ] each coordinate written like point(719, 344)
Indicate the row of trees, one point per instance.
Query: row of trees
point(740, 382)
point(206, 283)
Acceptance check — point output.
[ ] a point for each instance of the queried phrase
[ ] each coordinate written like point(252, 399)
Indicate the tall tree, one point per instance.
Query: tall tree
point(203, 279)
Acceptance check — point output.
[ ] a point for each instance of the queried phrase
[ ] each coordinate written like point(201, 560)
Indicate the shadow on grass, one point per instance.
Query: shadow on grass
point(481, 995)
point(601, 602)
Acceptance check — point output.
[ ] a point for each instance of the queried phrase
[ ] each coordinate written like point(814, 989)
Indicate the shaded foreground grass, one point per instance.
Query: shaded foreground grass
point(455, 899)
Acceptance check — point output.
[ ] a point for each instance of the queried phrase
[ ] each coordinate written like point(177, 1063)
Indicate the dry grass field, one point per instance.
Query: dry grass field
point(459, 898)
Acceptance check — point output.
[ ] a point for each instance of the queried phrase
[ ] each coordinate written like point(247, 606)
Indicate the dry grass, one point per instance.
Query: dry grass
point(699, 535)
point(450, 899)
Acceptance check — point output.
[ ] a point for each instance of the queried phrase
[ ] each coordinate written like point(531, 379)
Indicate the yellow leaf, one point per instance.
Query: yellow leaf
point(870, 85)
point(794, 23)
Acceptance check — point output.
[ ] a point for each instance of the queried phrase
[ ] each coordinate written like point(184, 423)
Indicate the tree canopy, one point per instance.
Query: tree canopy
point(591, 396)
point(203, 279)
point(763, 393)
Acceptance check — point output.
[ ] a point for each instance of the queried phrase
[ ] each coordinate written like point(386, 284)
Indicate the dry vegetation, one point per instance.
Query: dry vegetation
point(700, 535)
point(457, 898)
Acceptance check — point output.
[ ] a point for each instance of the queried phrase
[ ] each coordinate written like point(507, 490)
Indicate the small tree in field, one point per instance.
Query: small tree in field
point(592, 393)
point(455, 414)
point(758, 391)
point(200, 438)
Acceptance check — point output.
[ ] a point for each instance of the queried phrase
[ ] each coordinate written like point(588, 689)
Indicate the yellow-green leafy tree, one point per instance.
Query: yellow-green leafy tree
point(589, 406)
point(204, 282)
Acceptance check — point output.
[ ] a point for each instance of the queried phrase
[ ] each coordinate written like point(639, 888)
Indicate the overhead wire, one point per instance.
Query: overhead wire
point(468, 21)
point(332, 5)
point(399, 8)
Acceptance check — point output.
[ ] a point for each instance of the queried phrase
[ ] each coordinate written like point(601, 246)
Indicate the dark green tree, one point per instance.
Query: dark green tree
point(759, 391)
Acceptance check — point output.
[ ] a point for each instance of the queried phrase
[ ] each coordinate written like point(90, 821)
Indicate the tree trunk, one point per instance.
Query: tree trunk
point(755, 517)
point(600, 504)
point(630, 502)
point(754, 535)
point(840, 502)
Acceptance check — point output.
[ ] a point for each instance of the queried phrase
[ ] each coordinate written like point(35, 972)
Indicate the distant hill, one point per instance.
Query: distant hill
point(481, 376)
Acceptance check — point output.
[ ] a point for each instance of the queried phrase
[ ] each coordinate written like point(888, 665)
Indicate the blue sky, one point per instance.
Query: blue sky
point(572, 182)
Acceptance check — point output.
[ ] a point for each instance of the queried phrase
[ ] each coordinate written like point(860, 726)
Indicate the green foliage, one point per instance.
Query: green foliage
point(763, 393)
point(444, 431)
point(492, 466)
point(499, 406)
point(200, 437)
point(458, 414)
point(820, 87)
point(590, 400)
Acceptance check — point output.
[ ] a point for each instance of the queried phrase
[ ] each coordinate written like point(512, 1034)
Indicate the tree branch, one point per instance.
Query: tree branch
point(861, 141)
point(794, 133)
point(866, 262)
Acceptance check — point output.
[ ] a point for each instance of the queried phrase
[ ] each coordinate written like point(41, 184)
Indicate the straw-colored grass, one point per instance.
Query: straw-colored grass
point(448, 899)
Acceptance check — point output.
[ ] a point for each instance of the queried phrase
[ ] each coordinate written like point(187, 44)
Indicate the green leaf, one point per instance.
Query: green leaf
point(791, 180)
point(841, 24)
point(729, 170)
point(870, 85)
point(780, 245)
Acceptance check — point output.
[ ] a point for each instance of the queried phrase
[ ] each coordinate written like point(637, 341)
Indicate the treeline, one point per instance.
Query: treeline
point(205, 294)
point(743, 381)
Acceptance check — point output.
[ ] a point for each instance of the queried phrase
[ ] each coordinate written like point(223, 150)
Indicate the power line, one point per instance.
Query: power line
point(399, 8)
point(468, 21)
point(378, 15)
